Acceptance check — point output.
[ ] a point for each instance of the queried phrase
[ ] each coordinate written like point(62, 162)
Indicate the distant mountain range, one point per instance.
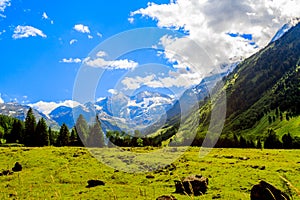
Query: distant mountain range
point(119, 111)
point(20, 111)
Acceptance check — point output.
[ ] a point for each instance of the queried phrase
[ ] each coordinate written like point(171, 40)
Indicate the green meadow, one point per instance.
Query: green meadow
point(62, 173)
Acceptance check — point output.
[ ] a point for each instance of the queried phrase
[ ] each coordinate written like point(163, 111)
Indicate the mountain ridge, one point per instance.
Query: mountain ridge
point(263, 83)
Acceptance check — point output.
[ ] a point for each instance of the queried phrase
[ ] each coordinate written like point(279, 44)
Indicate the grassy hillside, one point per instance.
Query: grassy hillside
point(281, 127)
point(264, 86)
point(62, 173)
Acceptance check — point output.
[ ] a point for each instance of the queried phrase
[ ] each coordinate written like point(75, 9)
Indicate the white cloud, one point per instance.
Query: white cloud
point(48, 107)
point(100, 99)
point(1, 32)
point(45, 16)
point(101, 54)
point(208, 22)
point(1, 100)
point(90, 37)
point(99, 34)
point(100, 62)
point(173, 79)
point(111, 65)
point(131, 20)
point(113, 91)
point(81, 28)
point(3, 5)
point(73, 41)
point(27, 31)
point(70, 60)
point(133, 83)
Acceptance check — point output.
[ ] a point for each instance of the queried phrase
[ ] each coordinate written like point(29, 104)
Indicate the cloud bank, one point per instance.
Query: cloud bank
point(209, 22)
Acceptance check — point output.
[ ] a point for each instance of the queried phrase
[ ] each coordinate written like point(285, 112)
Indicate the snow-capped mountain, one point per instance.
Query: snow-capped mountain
point(20, 111)
point(145, 108)
point(285, 29)
point(118, 111)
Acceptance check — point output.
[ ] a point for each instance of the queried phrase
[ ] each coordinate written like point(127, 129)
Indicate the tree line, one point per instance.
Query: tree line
point(270, 141)
point(124, 139)
point(33, 133)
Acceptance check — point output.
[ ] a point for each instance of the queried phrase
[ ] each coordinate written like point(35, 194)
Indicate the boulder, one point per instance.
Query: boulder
point(17, 167)
point(266, 191)
point(195, 184)
point(6, 173)
point(166, 197)
point(94, 183)
point(150, 176)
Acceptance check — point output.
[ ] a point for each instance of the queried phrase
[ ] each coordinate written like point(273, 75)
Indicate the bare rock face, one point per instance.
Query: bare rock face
point(195, 184)
point(266, 191)
point(166, 197)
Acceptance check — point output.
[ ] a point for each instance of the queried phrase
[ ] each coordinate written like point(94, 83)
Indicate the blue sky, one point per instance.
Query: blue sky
point(31, 66)
point(45, 44)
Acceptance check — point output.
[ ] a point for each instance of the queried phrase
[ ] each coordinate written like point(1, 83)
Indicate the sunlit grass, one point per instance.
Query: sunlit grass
point(62, 173)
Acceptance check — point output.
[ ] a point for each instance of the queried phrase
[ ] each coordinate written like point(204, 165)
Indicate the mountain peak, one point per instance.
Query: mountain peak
point(285, 28)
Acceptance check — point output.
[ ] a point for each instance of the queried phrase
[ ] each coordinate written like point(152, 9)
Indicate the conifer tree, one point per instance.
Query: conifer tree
point(96, 136)
point(287, 141)
point(51, 136)
point(16, 132)
point(30, 125)
point(42, 134)
point(243, 142)
point(272, 141)
point(82, 128)
point(63, 136)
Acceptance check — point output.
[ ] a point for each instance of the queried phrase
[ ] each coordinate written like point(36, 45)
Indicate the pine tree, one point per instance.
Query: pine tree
point(287, 141)
point(259, 144)
point(96, 136)
point(243, 142)
point(74, 138)
point(42, 134)
point(270, 119)
point(30, 125)
point(272, 141)
point(82, 128)
point(63, 136)
point(16, 132)
point(235, 141)
point(51, 136)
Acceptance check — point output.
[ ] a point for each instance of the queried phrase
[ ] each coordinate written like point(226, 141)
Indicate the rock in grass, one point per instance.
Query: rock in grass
point(94, 183)
point(195, 184)
point(166, 197)
point(266, 191)
point(17, 167)
point(6, 173)
point(150, 176)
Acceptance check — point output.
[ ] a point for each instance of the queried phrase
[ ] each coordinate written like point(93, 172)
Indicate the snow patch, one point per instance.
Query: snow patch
point(48, 107)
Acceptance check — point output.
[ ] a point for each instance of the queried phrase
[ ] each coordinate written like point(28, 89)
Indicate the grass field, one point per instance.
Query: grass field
point(62, 173)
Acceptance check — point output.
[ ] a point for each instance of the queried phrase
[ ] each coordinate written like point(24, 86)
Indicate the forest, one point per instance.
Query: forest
point(33, 133)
